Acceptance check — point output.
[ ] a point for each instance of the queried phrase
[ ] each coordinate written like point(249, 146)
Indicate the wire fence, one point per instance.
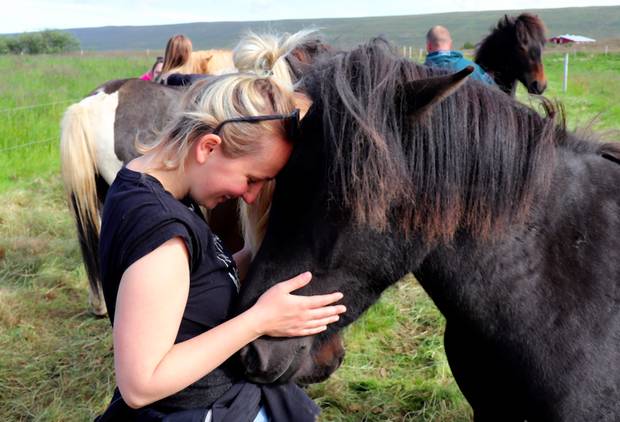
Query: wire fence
point(9, 111)
point(14, 147)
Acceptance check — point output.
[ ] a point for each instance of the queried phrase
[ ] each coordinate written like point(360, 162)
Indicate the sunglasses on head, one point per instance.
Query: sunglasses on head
point(290, 121)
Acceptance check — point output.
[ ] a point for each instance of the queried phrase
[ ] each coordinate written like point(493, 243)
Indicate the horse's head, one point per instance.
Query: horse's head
point(321, 220)
point(303, 56)
point(513, 52)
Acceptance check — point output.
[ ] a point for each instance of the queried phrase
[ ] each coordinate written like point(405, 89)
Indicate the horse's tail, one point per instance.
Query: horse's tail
point(79, 173)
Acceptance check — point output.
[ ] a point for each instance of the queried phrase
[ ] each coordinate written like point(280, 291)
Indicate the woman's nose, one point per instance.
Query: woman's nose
point(250, 195)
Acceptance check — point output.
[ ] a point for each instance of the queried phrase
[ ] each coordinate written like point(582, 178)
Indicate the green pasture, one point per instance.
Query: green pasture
point(34, 93)
point(592, 97)
point(56, 359)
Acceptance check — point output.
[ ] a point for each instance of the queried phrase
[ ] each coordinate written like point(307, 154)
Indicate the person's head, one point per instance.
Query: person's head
point(219, 152)
point(438, 39)
point(178, 52)
point(265, 54)
point(157, 67)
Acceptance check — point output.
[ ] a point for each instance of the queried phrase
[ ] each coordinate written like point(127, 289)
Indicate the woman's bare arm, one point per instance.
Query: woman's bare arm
point(151, 300)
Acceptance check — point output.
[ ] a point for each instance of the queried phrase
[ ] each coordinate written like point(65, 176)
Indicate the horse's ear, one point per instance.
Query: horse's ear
point(423, 94)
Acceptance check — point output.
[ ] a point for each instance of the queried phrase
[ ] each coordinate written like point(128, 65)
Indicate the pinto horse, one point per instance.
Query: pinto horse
point(98, 136)
point(513, 52)
point(510, 223)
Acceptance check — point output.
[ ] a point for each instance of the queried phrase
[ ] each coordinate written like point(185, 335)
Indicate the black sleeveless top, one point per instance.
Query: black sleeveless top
point(139, 215)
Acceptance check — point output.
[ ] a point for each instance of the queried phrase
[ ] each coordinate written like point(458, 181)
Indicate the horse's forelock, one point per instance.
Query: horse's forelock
point(462, 167)
point(535, 27)
point(534, 30)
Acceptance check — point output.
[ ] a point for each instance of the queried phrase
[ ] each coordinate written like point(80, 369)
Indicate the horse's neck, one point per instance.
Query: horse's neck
point(474, 276)
point(513, 89)
point(502, 76)
point(482, 278)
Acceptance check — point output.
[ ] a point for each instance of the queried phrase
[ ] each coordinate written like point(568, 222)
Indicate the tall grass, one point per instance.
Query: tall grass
point(34, 92)
point(56, 359)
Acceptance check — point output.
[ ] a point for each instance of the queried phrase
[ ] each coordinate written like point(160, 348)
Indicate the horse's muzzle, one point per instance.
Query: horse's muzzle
point(537, 87)
point(270, 360)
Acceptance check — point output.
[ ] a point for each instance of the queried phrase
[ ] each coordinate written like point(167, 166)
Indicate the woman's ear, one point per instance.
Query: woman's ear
point(205, 146)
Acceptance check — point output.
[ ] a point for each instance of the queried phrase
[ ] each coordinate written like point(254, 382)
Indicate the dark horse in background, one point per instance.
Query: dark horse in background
point(510, 223)
point(98, 133)
point(512, 53)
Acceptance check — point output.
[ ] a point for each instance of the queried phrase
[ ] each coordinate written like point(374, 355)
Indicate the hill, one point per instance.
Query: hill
point(594, 22)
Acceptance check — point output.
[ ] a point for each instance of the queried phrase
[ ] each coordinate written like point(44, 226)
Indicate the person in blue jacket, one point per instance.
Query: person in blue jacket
point(440, 54)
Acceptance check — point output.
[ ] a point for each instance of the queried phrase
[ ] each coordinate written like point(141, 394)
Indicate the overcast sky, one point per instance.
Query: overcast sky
point(34, 15)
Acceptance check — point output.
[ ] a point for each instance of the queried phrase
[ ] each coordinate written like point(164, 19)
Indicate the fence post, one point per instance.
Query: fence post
point(404, 51)
point(420, 54)
point(565, 85)
point(606, 49)
point(148, 51)
point(410, 52)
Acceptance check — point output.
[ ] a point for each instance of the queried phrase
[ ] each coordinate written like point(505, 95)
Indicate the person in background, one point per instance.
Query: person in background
point(177, 57)
point(440, 54)
point(155, 71)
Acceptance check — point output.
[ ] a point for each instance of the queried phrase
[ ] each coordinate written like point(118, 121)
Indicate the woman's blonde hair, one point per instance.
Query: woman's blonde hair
point(177, 55)
point(209, 102)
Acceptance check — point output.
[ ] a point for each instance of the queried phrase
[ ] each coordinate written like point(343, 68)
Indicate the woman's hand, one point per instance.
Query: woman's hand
point(282, 314)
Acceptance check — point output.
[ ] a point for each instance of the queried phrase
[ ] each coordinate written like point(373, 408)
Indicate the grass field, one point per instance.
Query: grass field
point(56, 360)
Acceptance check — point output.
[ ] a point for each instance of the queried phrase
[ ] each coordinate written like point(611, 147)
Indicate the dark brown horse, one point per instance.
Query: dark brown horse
point(510, 223)
point(99, 133)
point(512, 53)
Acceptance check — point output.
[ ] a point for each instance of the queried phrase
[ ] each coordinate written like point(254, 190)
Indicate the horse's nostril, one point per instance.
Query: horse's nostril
point(249, 359)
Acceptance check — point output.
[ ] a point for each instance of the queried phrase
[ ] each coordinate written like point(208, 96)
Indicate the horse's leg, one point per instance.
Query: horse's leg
point(482, 381)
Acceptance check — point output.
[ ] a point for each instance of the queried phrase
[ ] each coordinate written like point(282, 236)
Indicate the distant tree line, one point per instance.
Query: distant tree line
point(44, 42)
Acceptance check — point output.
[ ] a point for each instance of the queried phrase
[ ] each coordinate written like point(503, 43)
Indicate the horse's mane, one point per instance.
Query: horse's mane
point(528, 28)
point(475, 162)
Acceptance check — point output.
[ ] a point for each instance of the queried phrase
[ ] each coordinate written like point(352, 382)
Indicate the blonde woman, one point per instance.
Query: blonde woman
point(168, 282)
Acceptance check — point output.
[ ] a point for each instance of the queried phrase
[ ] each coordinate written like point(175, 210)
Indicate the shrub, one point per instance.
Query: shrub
point(45, 42)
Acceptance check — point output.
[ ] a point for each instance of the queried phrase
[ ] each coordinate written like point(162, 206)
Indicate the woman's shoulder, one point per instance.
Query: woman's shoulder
point(139, 215)
point(133, 191)
point(137, 202)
